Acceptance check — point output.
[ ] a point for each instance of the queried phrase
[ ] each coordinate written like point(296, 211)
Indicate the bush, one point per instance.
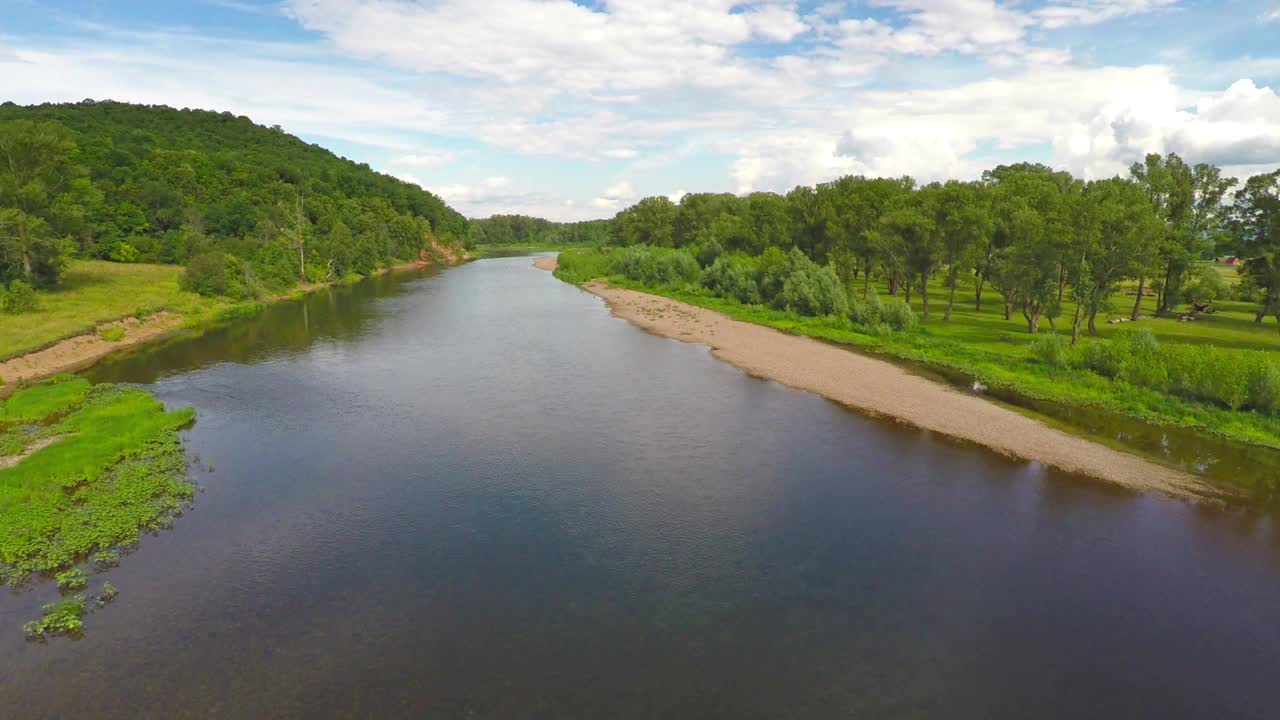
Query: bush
point(708, 252)
point(1050, 349)
point(1139, 359)
point(214, 273)
point(1207, 285)
point(898, 315)
point(733, 278)
point(1099, 356)
point(21, 298)
point(802, 286)
point(812, 290)
point(1264, 387)
point(124, 253)
point(206, 274)
point(656, 266)
point(867, 312)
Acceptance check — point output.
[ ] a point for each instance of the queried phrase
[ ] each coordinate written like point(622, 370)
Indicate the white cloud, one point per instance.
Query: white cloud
point(615, 196)
point(1238, 128)
point(424, 160)
point(1092, 12)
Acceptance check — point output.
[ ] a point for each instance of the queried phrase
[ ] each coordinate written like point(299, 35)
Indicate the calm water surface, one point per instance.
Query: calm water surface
point(475, 494)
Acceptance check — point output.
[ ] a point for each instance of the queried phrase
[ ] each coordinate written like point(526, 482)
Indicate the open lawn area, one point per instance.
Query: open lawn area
point(94, 292)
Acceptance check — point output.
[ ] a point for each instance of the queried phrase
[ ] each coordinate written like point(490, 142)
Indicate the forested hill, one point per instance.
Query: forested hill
point(136, 183)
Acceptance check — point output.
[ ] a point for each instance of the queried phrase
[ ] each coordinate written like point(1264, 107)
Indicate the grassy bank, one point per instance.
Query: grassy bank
point(1001, 353)
point(94, 292)
point(87, 469)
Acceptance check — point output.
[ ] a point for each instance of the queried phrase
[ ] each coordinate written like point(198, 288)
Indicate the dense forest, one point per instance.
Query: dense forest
point(1039, 237)
point(248, 208)
point(525, 230)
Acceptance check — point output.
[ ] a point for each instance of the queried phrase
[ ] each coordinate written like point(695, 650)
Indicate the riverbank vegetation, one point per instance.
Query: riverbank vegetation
point(84, 469)
point(250, 211)
point(1028, 279)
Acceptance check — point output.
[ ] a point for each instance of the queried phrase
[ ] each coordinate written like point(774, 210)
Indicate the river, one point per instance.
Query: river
point(475, 494)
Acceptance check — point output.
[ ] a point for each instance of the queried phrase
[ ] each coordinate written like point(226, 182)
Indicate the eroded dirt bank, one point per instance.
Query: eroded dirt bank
point(881, 388)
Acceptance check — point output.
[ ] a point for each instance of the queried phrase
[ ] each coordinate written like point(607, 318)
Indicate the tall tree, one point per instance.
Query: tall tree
point(1255, 223)
point(37, 165)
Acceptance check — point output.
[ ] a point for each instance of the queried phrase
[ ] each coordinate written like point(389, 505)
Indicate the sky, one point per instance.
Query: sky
point(574, 110)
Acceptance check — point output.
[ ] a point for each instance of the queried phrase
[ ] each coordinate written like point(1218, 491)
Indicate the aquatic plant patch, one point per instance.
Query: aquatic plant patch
point(116, 467)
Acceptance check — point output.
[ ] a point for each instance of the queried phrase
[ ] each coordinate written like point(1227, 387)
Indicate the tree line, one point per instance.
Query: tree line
point(1039, 237)
point(137, 183)
point(526, 230)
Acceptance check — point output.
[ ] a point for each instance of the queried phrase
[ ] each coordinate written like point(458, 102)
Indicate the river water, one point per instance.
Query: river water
point(475, 494)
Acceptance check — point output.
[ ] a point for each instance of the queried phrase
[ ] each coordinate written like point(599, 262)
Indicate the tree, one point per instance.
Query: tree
point(37, 164)
point(295, 232)
point(963, 225)
point(1255, 225)
point(908, 244)
point(648, 222)
point(1117, 228)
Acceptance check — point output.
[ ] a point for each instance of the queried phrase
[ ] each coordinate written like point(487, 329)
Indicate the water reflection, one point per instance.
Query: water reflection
point(477, 494)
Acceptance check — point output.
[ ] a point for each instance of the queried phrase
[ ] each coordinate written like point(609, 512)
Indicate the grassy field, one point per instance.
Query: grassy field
point(94, 292)
point(999, 352)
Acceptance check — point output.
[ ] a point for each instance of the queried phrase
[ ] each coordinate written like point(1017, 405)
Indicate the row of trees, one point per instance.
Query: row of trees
point(137, 183)
point(1038, 236)
point(525, 230)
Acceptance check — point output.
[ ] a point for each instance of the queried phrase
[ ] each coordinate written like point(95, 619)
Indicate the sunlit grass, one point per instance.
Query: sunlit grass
point(94, 292)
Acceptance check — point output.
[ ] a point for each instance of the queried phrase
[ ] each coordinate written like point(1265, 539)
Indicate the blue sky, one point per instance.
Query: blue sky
point(574, 110)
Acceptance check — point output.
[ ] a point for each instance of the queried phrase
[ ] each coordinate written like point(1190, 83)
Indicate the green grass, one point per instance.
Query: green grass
point(984, 345)
point(94, 292)
point(117, 468)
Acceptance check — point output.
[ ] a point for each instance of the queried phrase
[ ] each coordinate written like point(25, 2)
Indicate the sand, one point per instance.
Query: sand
point(82, 351)
point(881, 388)
point(550, 262)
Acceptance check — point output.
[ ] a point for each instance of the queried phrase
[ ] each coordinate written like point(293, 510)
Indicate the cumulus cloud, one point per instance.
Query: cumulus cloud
point(1236, 128)
point(615, 196)
point(773, 93)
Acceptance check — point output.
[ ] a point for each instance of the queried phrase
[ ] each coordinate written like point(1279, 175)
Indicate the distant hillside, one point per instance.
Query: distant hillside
point(137, 183)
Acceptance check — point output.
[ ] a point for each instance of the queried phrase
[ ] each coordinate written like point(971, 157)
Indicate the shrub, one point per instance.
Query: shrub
point(21, 298)
point(1139, 359)
point(1264, 387)
point(708, 252)
point(773, 267)
point(1050, 349)
point(1207, 285)
point(123, 252)
point(656, 266)
point(813, 290)
point(866, 312)
point(206, 274)
point(115, 333)
point(732, 278)
point(1100, 357)
point(898, 315)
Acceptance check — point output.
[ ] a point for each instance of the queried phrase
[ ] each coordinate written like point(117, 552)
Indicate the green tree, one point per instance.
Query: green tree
point(37, 164)
point(1255, 224)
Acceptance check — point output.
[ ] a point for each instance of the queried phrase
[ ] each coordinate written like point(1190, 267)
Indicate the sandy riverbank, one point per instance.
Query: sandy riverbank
point(883, 389)
point(81, 351)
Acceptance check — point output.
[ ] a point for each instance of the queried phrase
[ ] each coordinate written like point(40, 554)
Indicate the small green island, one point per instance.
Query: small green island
point(84, 469)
